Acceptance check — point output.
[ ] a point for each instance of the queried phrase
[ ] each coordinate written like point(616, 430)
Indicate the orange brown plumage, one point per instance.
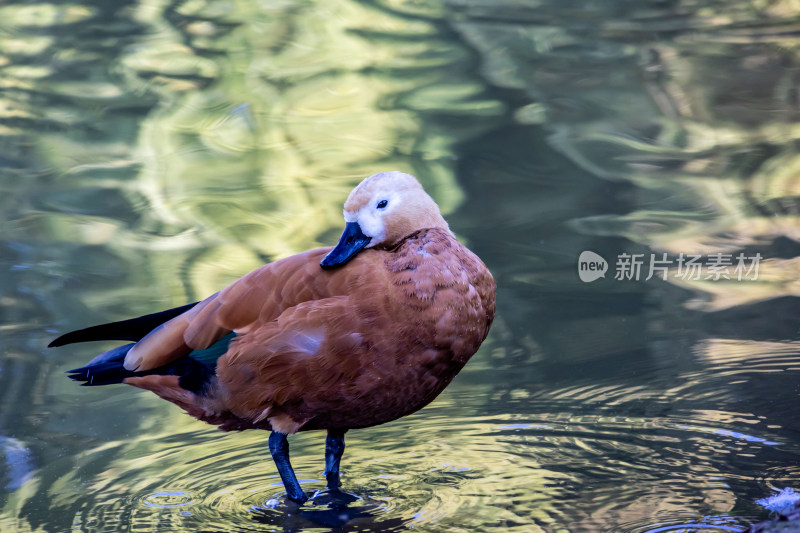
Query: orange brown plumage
point(376, 341)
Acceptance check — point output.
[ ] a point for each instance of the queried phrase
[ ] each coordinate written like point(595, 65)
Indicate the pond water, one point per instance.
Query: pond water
point(152, 152)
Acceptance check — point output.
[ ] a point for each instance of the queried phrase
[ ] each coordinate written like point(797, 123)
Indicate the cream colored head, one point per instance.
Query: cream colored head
point(380, 212)
point(390, 206)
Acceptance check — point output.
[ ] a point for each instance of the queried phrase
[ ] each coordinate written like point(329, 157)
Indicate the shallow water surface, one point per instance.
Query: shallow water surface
point(152, 152)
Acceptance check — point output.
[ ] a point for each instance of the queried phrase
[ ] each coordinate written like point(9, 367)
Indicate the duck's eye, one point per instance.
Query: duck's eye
point(382, 204)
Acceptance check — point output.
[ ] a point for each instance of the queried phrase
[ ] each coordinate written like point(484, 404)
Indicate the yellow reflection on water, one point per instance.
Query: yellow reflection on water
point(777, 278)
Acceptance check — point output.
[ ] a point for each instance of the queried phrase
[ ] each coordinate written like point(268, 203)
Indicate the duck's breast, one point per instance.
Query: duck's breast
point(444, 292)
point(433, 313)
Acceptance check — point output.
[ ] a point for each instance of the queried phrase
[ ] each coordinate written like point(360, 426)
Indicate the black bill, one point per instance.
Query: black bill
point(350, 243)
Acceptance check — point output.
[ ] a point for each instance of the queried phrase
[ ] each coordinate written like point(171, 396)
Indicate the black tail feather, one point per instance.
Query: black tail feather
point(108, 369)
point(125, 330)
point(105, 369)
point(102, 374)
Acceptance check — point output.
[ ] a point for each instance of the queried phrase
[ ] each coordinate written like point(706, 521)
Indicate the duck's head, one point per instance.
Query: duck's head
point(380, 212)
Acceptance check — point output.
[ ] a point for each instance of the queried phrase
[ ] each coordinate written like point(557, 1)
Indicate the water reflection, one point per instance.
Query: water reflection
point(337, 510)
point(151, 152)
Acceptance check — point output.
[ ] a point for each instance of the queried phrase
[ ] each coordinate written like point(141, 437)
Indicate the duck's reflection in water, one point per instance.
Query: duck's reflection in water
point(334, 509)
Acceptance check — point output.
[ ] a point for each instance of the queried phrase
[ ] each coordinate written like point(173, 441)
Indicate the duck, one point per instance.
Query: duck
point(335, 338)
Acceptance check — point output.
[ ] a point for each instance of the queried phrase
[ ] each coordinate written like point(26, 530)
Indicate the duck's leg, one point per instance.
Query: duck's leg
point(279, 448)
point(334, 448)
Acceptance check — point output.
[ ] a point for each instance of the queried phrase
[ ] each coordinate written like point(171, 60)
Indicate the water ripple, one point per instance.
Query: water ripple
point(167, 498)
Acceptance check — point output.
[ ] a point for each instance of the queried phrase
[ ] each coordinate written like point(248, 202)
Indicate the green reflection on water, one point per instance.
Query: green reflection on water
point(151, 152)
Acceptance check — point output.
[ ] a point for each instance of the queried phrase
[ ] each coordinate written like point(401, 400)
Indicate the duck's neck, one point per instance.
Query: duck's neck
point(425, 235)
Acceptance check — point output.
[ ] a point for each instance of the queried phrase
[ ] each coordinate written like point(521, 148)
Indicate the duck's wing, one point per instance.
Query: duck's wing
point(311, 360)
point(260, 296)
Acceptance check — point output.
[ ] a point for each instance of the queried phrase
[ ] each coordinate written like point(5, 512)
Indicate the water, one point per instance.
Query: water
point(152, 152)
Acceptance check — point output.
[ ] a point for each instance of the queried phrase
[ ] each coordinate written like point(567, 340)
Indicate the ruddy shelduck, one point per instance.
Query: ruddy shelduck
point(334, 338)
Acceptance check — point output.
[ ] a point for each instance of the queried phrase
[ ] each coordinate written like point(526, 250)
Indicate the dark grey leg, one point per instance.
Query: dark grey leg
point(334, 448)
point(279, 448)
